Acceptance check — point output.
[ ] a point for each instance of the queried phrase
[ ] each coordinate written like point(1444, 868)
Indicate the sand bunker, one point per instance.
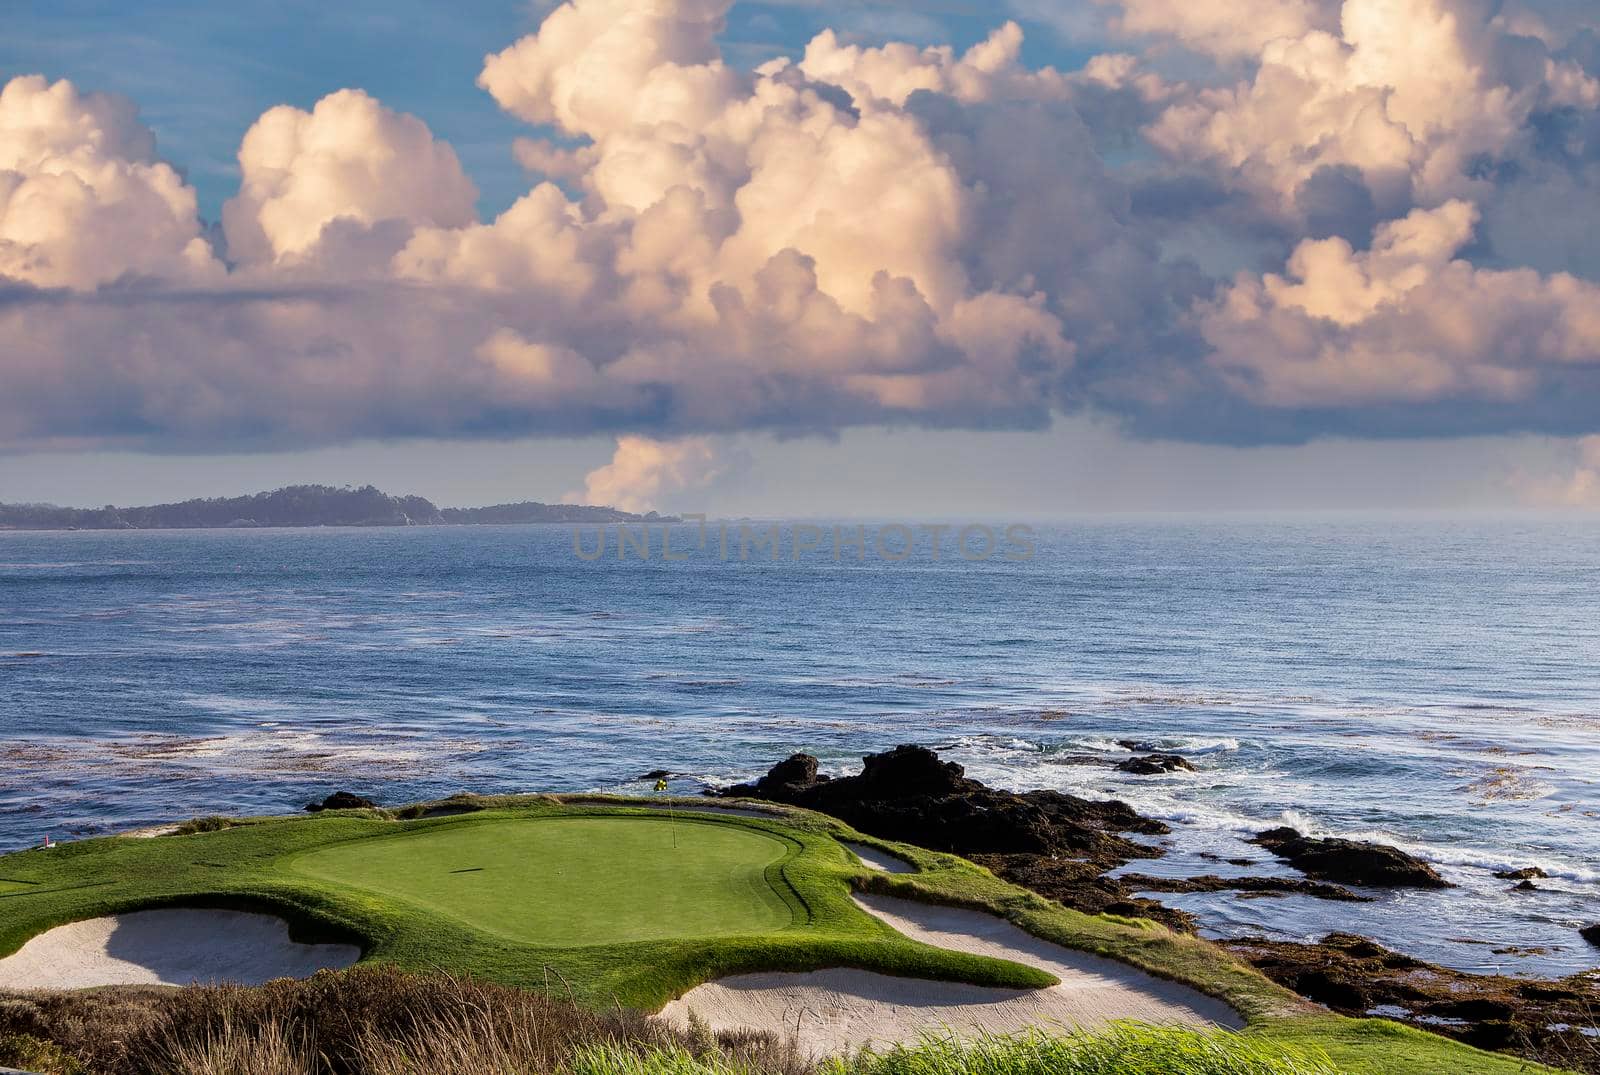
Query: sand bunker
point(168, 947)
point(836, 1010)
point(873, 859)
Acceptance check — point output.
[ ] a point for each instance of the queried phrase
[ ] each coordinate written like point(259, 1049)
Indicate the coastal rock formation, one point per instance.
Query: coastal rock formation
point(1525, 874)
point(1351, 862)
point(1356, 976)
point(341, 800)
point(1155, 764)
point(1272, 886)
point(1057, 845)
point(1082, 886)
point(1591, 934)
point(909, 794)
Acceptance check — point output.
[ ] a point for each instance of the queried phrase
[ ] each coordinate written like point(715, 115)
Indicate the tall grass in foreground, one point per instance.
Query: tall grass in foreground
point(381, 1021)
point(1122, 1049)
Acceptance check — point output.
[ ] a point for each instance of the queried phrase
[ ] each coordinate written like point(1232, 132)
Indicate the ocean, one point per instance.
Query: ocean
point(1429, 682)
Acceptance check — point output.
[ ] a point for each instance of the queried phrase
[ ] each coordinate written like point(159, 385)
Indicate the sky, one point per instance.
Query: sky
point(805, 258)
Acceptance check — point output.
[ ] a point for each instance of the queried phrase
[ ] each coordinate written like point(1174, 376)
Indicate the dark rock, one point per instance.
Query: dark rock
point(1326, 987)
point(909, 794)
point(1352, 862)
point(1591, 934)
point(1493, 1034)
point(1259, 885)
point(1081, 886)
point(1353, 975)
point(1547, 991)
point(341, 800)
point(788, 778)
point(656, 774)
point(1524, 874)
point(1155, 764)
point(1525, 886)
point(1474, 1009)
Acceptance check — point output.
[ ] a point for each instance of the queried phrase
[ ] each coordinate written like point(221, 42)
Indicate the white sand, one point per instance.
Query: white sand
point(873, 859)
point(168, 947)
point(833, 1011)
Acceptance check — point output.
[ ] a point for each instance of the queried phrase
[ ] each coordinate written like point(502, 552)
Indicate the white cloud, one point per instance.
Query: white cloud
point(83, 201)
point(1237, 29)
point(856, 236)
point(348, 159)
point(1411, 95)
point(1405, 321)
point(643, 473)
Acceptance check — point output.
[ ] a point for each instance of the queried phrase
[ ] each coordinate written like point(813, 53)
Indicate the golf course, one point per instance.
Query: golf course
point(556, 882)
point(699, 913)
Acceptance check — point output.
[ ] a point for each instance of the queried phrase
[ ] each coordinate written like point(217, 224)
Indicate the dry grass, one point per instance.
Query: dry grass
point(364, 1021)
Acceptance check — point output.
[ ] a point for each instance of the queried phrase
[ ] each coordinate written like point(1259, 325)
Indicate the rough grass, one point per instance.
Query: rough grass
point(365, 1021)
point(1123, 1049)
point(380, 1021)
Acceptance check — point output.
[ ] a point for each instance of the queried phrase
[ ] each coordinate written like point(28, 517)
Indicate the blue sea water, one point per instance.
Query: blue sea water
point(1433, 683)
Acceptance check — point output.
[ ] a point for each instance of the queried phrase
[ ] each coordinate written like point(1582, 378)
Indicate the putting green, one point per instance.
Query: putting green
point(574, 881)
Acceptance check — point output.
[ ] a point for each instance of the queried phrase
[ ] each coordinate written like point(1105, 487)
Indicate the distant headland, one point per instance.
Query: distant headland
point(304, 506)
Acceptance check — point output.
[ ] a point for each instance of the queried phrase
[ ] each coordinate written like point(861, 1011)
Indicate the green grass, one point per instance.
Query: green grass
point(1122, 1049)
point(568, 882)
point(574, 896)
point(8, 886)
point(779, 895)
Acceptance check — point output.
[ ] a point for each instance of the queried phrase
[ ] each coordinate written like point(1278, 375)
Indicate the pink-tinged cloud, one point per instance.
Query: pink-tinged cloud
point(644, 474)
point(1345, 223)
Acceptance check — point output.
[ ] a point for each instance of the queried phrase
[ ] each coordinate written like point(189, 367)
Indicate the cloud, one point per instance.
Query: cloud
point(1240, 29)
point(83, 200)
point(644, 472)
point(1345, 216)
point(350, 160)
point(1578, 487)
point(1420, 99)
point(1403, 321)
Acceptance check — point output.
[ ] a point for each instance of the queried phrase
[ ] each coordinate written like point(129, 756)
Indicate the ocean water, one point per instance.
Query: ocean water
point(1433, 683)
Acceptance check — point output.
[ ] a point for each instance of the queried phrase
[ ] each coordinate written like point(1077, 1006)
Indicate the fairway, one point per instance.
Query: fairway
point(574, 881)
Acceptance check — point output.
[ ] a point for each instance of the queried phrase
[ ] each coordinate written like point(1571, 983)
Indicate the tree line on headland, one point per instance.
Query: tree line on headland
point(303, 505)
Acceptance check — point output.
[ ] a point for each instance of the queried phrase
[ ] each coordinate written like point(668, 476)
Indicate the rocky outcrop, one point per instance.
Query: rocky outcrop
point(1356, 976)
point(909, 794)
point(1591, 934)
point(1527, 873)
point(1155, 764)
point(1082, 886)
point(341, 800)
point(1267, 886)
point(1350, 862)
